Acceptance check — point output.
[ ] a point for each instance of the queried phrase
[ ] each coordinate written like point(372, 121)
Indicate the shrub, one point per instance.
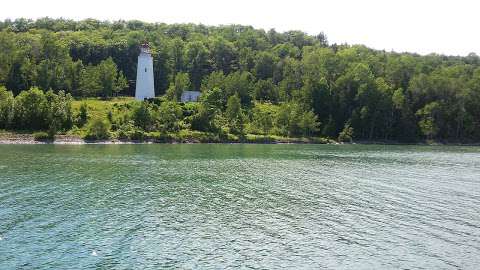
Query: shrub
point(98, 129)
point(170, 114)
point(128, 131)
point(42, 136)
point(82, 115)
point(204, 119)
point(250, 138)
point(232, 138)
point(137, 135)
point(346, 134)
point(143, 116)
point(320, 140)
point(262, 121)
point(198, 136)
point(163, 137)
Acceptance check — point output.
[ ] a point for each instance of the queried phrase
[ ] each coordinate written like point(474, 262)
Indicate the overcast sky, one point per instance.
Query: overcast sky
point(422, 26)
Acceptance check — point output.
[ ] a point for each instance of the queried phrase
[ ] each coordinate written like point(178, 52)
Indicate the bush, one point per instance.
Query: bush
point(42, 136)
point(134, 135)
point(128, 131)
point(170, 115)
point(138, 135)
point(320, 140)
point(347, 134)
point(232, 138)
point(204, 119)
point(250, 138)
point(293, 120)
point(198, 136)
point(98, 129)
point(161, 137)
point(143, 116)
point(36, 110)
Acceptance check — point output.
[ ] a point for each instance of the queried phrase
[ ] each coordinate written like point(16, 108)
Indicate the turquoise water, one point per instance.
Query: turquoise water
point(239, 206)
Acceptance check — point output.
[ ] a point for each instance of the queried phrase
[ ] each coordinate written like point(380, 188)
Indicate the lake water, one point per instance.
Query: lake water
point(239, 206)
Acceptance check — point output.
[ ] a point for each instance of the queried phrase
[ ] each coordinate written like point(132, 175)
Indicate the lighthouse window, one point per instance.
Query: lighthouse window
point(145, 69)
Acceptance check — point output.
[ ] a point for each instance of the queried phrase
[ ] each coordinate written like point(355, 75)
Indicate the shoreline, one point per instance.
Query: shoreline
point(28, 139)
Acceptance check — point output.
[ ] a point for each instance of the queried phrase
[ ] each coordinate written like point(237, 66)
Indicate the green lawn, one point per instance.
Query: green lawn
point(100, 107)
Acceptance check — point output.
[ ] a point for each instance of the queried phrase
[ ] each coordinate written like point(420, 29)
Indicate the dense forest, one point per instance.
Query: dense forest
point(252, 81)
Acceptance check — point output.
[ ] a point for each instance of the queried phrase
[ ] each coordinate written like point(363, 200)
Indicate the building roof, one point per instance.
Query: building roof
point(191, 92)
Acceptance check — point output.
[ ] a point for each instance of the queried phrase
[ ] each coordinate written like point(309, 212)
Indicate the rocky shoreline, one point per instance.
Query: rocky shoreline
point(24, 138)
point(27, 138)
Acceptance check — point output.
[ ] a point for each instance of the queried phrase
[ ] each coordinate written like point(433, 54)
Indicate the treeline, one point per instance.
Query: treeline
point(346, 90)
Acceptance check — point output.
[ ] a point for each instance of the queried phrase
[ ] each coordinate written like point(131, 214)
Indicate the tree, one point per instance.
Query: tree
point(264, 66)
point(428, 119)
point(214, 79)
point(291, 78)
point(102, 80)
point(240, 83)
point(109, 76)
point(58, 111)
point(121, 83)
point(176, 47)
point(235, 115)
point(74, 76)
point(309, 123)
point(30, 110)
point(262, 120)
point(82, 117)
point(89, 82)
point(286, 50)
point(223, 54)
point(6, 107)
point(293, 120)
point(203, 119)
point(265, 90)
point(322, 39)
point(182, 83)
point(282, 119)
point(196, 55)
point(383, 95)
point(213, 98)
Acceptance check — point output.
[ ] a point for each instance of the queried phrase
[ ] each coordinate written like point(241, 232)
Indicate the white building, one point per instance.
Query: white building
point(144, 86)
point(190, 96)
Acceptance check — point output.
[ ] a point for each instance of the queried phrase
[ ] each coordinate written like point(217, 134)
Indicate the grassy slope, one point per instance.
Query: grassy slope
point(99, 107)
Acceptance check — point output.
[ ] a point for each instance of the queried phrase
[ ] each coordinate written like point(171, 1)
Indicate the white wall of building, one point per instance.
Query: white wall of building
point(190, 96)
point(144, 85)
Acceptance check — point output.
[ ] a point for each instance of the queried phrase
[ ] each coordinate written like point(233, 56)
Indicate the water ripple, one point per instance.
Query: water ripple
point(239, 206)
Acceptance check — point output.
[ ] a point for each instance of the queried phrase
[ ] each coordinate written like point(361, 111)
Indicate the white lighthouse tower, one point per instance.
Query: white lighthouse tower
point(144, 86)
